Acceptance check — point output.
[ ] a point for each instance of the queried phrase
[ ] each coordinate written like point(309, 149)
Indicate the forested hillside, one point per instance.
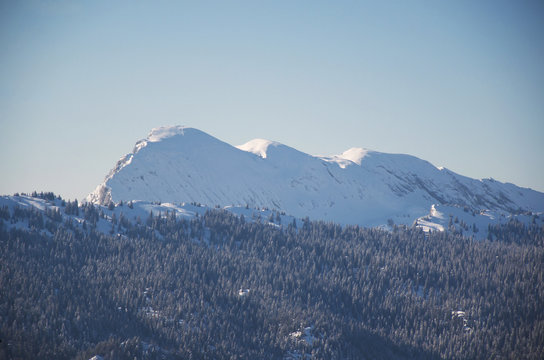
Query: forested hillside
point(220, 287)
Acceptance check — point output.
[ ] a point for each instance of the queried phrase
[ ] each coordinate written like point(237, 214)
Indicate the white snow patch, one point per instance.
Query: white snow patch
point(304, 335)
point(428, 226)
point(431, 222)
point(458, 313)
point(462, 315)
point(435, 213)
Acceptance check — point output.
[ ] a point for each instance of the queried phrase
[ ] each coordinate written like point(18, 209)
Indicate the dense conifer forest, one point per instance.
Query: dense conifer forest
point(220, 287)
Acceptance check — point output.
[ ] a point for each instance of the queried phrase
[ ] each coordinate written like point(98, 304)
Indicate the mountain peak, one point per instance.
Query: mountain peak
point(175, 138)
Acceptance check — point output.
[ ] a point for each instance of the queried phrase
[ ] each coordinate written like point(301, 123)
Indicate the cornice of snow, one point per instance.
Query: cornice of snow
point(162, 133)
point(351, 156)
point(355, 154)
point(258, 147)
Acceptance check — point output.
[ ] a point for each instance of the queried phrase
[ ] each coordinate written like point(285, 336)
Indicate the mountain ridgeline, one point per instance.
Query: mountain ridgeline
point(369, 188)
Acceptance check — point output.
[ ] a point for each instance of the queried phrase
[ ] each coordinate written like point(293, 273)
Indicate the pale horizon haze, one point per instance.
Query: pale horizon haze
point(458, 83)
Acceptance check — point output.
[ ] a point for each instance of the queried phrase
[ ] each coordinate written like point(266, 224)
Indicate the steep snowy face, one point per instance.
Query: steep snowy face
point(180, 164)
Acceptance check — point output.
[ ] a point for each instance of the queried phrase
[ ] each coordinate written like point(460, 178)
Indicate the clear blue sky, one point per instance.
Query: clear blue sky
point(458, 83)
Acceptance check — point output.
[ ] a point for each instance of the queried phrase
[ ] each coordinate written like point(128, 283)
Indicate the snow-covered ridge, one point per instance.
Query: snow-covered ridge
point(181, 164)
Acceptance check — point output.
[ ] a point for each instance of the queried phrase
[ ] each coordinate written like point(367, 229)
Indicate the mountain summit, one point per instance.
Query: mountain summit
point(359, 186)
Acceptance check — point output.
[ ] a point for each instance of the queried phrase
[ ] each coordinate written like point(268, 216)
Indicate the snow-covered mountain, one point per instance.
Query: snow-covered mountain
point(179, 164)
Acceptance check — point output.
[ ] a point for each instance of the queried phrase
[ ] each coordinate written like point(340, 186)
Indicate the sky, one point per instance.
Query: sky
point(457, 83)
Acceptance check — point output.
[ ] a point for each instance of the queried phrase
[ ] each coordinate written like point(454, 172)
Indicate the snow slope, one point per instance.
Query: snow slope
point(179, 164)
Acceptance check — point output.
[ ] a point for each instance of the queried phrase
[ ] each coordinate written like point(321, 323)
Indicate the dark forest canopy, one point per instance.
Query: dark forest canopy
point(218, 287)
